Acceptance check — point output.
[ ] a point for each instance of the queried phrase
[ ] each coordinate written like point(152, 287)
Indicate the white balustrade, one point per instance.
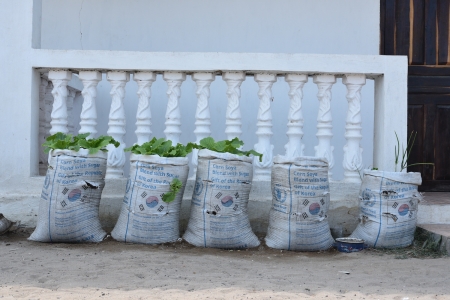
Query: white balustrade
point(324, 119)
point(117, 122)
point(144, 81)
point(59, 113)
point(63, 95)
point(294, 147)
point(264, 132)
point(352, 150)
point(173, 113)
point(72, 93)
point(233, 114)
point(88, 116)
point(202, 114)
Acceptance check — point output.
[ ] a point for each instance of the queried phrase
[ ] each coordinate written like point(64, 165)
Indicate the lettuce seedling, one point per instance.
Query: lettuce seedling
point(64, 141)
point(162, 147)
point(226, 146)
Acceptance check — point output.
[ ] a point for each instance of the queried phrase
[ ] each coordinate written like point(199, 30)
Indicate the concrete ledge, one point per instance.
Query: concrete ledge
point(434, 208)
point(20, 203)
point(441, 233)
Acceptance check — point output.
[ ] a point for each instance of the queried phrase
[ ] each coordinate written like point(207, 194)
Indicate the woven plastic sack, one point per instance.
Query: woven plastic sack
point(388, 208)
point(219, 217)
point(300, 202)
point(145, 218)
point(68, 208)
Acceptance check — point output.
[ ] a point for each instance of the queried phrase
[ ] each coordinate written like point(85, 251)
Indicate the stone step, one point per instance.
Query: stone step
point(434, 208)
point(440, 232)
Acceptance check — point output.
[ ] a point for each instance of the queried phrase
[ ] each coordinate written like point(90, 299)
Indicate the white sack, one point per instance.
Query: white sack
point(388, 208)
point(68, 209)
point(145, 218)
point(219, 217)
point(300, 202)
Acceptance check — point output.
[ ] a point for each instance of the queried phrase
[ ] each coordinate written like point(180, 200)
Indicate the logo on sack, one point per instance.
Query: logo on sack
point(280, 195)
point(128, 186)
point(198, 187)
point(227, 201)
point(46, 181)
point(314, 208)
point(152, 201)
point(74, 195)
point(365, 197)
point(403, 210)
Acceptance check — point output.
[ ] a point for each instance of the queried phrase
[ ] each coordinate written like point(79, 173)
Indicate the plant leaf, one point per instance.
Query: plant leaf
point(161, 147)
point(227, 146)
point(66, 141)
point(175, 187)
point(208, 143)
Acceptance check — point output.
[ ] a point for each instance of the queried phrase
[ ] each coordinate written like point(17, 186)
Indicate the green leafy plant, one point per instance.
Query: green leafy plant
point(405, 153)
point(63, 141)
point(175, 187)
point(162, 147)
point(226, 146)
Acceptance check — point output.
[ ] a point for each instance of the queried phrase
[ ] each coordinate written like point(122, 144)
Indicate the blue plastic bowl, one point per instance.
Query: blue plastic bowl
point(349, 245)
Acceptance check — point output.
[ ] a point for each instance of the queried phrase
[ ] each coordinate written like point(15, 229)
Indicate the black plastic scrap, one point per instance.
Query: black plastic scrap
point(389, 215)
point(90, 185)
point(388, 193)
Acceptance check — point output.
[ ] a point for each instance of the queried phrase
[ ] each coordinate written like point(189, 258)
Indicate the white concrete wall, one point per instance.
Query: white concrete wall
point(300, 26)
point(319, 26)
point(19, 95)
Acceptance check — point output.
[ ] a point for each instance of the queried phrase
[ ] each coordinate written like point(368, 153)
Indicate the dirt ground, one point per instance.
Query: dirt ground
point(113, 270)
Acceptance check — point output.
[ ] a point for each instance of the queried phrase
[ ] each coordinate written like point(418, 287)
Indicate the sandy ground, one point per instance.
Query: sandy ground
point(113, 270)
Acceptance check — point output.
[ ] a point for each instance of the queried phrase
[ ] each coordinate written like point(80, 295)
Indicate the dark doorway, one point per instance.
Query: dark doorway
point(420, 30)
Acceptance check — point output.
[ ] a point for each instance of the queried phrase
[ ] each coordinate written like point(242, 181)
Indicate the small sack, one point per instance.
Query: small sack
point(300, 202)
point(388, 204)
point(219, 217)
point(145, 218)
point(68, 209)
point(5, 224)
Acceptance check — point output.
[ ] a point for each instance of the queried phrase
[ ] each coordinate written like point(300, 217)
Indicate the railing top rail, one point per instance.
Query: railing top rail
point(189, 62)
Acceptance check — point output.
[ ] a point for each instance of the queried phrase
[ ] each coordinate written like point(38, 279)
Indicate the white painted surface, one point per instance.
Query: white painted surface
point(352, 150)
point(59, 115)
point(255, 26)
point(273, 26)
point(340, 29)
point(19, 115)
point(117, 123)
point(433, 214)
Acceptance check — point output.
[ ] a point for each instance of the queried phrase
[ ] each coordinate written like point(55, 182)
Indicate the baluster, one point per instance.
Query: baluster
point(70, 97)
point(117, 121)
point(233, 116)
point(173, 113)
point(324, 119)
point(88, 116)
point(59, 112)
point(352, 149)
point(202, 114)
point(42, 127)
point(294, 147)
point(144, 81)
point(264, 124)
